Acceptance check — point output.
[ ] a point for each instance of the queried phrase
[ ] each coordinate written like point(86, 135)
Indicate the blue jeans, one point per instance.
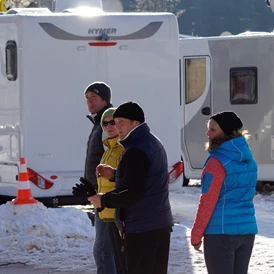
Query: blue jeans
point(228, 254)
point(102, 249)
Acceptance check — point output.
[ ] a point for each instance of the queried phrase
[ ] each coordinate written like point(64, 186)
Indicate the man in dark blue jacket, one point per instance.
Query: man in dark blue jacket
point(141, 198)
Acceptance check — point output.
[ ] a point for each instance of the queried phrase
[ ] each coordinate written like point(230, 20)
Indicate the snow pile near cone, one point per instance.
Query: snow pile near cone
point(34, 228)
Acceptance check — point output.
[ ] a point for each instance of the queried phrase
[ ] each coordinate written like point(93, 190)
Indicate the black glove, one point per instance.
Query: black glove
point(88, 186)
point(79, 190)
point(85, 189)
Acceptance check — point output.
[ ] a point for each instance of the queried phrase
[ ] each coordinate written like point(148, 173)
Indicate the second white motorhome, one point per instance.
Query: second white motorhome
point(48, 59)
point(228, 73)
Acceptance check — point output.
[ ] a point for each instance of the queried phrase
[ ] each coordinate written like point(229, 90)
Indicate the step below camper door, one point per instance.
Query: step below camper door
point(196, 109)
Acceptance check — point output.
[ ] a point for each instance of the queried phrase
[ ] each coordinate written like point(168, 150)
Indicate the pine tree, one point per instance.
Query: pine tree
point(157, 6)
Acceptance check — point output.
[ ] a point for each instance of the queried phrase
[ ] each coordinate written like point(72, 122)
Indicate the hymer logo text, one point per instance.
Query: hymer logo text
point(102, 31)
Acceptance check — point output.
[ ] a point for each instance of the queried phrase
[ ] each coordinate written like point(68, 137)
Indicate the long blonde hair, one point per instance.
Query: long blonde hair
point(220, 140)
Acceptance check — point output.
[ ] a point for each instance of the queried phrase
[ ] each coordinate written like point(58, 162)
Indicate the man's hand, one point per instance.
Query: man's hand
point(105, 171)
point(96, 200)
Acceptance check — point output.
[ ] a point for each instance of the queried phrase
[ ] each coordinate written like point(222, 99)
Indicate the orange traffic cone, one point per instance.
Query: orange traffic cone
point(24, 195)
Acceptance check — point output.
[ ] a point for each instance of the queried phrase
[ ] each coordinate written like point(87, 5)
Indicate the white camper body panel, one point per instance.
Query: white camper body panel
point(9, 113)
point(43, 111)
point(214, 63)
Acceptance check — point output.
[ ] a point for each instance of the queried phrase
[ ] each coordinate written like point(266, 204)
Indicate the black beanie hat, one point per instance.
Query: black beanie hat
point(101, 89)
point(228, 121)
point(130, 110)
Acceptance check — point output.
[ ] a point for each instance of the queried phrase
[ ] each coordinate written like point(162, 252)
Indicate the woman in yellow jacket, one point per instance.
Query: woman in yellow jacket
point(111, 157)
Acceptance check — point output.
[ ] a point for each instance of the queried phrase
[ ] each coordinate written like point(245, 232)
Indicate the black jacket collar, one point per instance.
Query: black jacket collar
point(95, 119)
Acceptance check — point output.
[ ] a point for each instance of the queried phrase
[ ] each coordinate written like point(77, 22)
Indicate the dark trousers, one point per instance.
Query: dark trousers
point(116, 243)
point(147, 253)
point(228, 254)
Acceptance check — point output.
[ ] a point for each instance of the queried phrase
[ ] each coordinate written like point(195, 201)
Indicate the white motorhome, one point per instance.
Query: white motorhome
point(228, 73)
point(48, 59)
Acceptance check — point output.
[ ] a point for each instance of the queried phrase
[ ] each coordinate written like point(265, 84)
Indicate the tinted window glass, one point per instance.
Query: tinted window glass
point(243, 86)
point(195, 78)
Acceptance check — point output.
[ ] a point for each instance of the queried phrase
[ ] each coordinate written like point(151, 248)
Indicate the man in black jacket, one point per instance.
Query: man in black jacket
point(141, 197)
point(98, 97)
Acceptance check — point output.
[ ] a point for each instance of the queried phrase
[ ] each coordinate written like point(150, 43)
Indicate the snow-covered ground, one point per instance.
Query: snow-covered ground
point(61, 239)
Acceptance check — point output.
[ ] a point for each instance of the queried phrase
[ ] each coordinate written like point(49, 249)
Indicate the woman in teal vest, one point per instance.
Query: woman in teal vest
point(225, 218)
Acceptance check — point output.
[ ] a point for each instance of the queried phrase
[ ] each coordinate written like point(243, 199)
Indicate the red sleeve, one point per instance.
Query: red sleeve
point(215, 171)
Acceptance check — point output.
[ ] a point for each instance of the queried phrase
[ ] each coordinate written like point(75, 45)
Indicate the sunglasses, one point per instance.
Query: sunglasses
point(111, 122)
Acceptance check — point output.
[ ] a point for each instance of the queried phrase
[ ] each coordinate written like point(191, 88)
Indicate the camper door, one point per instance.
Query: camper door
point(196, 110)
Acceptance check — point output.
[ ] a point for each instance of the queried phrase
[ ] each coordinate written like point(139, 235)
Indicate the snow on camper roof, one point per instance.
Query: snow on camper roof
point(254, 33)
point(28, 11)
point(185, 36)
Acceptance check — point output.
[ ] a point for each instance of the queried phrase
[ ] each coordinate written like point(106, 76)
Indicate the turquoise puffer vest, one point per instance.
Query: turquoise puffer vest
point(234, 213)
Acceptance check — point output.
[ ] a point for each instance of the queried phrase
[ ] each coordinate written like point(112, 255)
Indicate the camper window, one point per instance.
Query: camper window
point(11, 60)
point(243, 86)
point(195, 78)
